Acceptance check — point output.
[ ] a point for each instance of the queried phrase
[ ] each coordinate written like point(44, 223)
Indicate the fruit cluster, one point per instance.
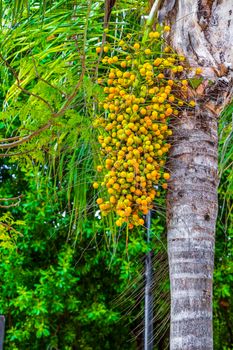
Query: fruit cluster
point(140, 99)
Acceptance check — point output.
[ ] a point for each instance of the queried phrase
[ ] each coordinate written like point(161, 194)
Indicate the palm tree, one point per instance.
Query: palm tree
point(201, 31)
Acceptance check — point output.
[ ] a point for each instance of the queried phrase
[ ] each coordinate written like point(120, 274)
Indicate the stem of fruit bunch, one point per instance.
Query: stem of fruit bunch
point(150, 19)
point(148, 308)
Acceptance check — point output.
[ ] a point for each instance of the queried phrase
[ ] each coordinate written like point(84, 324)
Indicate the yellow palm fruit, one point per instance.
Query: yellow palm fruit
point(141, 222)
point(110, 97)
point(112, 89)
point(143, 71)
point(119, 73)
point(161, 99)
point(149, 74)
point(147, 51)
point(198, 71)
point(148, 66)
point(119, 222)
point(192, 103)
point(167, 49)
point(126, 74)
point(116, 186)
point(111, 75)
point(160, 152)
point(166, 176)
point(113, 199)
point(184, 82)
point(158, 61)
point(156, 35)
point(128, 211)
point(155, 114)
point(99, 201)
point(143, 111)
point(136, 46)
point(171, 98)
point(168, 112)
point(160, 76)
point(135, 107)
point(99, 168)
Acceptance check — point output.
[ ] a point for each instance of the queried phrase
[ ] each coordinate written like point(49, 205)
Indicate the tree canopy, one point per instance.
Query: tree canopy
point(68, 279)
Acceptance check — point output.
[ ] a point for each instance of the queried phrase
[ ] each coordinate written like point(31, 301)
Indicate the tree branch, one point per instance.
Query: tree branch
point(73, 94)
point(10, 139)
point(10, 228)
point(11, 198)
point(26, 138)
point(70, 98)
point(53, 114)
point(23, 89)
point(45, 81)
point(10, 205)
point(5, 155)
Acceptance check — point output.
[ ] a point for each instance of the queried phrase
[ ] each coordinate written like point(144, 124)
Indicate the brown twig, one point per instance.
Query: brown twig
point(26, 138)
point(10, 228)
point(5, 155)
point(45, 81)
point(10, 138)
point(10, 205)
point(73, 94)
point(23, 89)
point(53, 114)
point(11, 198)
point(70, 98)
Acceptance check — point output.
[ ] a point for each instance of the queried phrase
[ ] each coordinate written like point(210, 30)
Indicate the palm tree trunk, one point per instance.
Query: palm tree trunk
point(191, 213)
point(202, 31)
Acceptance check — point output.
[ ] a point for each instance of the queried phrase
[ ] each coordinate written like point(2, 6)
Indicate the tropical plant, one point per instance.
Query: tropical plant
point(50, 98)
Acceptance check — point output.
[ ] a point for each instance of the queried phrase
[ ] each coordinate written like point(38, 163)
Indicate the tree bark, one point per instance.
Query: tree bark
point(192, 212)
point(201, 30)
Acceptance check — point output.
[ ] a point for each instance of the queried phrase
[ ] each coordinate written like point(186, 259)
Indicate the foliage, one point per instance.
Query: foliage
point(223, 276)
point(49, 68)
point(53, 292)
point(68, 281)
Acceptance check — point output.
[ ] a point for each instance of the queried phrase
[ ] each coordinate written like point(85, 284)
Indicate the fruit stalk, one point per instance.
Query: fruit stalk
point(148, 309)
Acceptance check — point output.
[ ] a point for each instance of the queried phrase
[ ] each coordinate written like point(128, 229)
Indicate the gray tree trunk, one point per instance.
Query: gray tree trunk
point(203, 32)
point(192, 212)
